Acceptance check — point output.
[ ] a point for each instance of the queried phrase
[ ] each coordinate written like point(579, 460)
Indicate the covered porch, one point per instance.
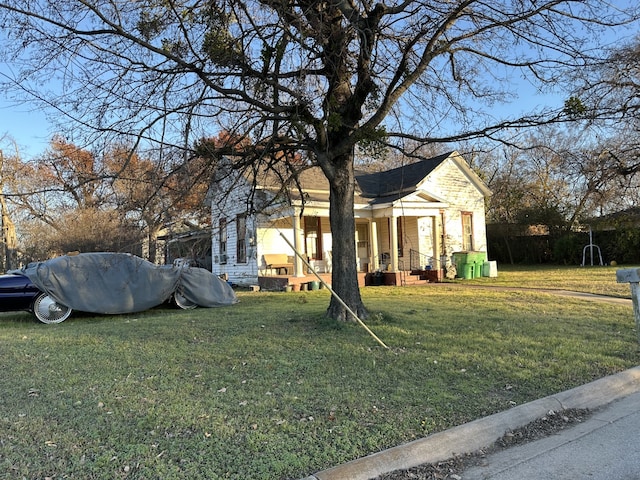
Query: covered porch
point(391, 248)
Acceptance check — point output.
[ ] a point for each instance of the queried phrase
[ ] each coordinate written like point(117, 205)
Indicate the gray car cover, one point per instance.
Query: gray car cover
point(124, 283)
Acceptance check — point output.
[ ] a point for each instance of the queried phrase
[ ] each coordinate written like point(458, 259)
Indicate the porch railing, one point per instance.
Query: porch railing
point(417, 260)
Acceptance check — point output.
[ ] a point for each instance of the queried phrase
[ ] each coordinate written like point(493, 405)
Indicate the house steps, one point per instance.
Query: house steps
point(421, 277)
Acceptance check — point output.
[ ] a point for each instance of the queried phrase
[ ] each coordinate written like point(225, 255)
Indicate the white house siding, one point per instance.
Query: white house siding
point(270, 241)
point(267, 239)
point(327, 240)
point(426, 240)
point(263, 237)
point(418, 234)
point(245, 273)
point(449, 182)
point(409, 241)
point(229, 207)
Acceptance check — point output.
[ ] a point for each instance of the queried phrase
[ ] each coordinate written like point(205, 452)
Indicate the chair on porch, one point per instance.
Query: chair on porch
point(278, 262)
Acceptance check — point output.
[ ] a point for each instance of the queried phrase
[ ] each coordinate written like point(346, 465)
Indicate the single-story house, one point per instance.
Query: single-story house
point(407, 218)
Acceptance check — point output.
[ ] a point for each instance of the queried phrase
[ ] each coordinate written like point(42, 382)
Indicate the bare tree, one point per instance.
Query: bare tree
point(72, 199)
point(64, 203)
point(311, 77)
point(63, 178)
point(157, 192)
point(553, 177)
point(607, 97)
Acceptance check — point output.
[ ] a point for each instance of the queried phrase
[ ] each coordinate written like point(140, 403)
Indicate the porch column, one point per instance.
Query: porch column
point(298, 243)
point(437, 244)
point(373, 235)
point(442, 241)
point(394, 243)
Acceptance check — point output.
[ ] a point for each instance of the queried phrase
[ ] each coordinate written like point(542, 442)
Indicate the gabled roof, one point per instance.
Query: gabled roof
point(397, 182)
point(309, 178)
point(377, 188)
point(310, 181)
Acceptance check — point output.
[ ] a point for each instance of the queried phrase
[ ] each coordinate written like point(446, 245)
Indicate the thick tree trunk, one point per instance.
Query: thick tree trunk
point(344, 278)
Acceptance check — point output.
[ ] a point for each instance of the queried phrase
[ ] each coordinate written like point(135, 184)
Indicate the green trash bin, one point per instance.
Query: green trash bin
point(477, 269)
point(477, 259)
point(468, 270)
point(460, 260)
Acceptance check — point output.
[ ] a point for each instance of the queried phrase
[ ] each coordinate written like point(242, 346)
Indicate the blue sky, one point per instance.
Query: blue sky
point(27, 126)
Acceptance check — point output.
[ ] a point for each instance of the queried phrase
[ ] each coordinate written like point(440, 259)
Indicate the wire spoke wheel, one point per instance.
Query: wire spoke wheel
point(182, 302)
point(47, 310)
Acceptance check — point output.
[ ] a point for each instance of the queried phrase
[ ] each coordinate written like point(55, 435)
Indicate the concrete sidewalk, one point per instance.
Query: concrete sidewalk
point(570, 455)
point(604, 446)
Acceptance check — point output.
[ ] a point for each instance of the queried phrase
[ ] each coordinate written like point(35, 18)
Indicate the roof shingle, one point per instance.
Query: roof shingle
point(397, 182)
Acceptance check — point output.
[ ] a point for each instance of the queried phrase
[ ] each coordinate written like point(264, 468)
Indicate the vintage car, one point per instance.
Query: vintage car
point(107, 283)
point(17, 292)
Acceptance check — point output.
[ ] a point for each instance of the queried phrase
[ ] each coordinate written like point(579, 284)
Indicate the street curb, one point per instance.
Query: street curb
point(473, 436)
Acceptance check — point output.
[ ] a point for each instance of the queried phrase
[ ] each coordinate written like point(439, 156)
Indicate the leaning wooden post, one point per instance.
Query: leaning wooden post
point(335, 295)
point(632, 276)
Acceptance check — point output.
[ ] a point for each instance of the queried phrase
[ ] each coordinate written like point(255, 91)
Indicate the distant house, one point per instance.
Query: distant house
point(407, 218)
point(629, 217)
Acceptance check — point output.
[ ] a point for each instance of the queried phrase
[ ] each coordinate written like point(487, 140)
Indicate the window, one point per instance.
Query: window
point(222, 242)
point(467, 231)
point(241, 244)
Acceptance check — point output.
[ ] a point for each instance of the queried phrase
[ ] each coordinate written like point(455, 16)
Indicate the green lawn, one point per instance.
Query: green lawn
point(598, 280)
point(270, 389)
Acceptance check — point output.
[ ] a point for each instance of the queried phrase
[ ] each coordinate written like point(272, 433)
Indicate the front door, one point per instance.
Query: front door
point(313, 238)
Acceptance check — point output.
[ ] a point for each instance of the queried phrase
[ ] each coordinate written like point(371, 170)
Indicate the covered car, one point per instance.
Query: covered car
point(111, 283)
point(17, 292)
